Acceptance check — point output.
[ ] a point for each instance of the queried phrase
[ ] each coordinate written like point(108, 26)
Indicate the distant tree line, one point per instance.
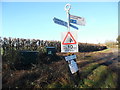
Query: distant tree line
point(86, 47)
point(27, 44)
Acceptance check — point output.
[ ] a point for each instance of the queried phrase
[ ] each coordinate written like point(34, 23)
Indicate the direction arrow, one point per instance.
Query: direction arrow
point(74, 26)
point(61, 22)
point(58, 21)
point(77, 20)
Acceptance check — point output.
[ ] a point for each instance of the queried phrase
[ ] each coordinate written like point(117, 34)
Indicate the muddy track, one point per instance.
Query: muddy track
point(106, 59)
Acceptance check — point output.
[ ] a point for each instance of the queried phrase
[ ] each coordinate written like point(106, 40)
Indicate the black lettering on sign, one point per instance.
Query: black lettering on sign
point(69, 47)
point(71, 40)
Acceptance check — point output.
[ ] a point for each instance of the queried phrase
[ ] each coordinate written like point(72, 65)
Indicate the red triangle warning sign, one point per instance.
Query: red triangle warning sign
point(69, 39)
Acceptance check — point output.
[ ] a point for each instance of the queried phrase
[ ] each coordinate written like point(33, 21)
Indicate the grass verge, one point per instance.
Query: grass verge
point(96, 77)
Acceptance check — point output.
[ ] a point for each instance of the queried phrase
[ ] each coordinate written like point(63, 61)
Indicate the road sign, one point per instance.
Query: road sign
point(67, 58)
point(73, 66)
point(77, 20)
point(69, 41)
point(61, 22)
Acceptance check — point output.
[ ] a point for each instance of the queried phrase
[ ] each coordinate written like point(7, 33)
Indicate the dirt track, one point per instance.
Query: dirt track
point(106, 57)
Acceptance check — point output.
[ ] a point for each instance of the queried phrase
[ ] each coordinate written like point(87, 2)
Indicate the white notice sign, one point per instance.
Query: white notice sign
point(73, 66)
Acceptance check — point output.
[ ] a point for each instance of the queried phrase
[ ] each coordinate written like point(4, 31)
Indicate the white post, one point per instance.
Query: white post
point(67, 8)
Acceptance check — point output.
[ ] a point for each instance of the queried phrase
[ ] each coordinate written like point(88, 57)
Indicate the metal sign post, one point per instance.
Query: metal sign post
point(69, 42)
point(71, 59)
point(69, 39)
point(67, 9)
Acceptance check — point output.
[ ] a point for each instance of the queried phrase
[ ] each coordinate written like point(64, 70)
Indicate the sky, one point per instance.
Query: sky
point(34, 20)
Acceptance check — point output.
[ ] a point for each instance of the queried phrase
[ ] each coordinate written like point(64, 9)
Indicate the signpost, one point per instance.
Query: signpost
point(69, 39)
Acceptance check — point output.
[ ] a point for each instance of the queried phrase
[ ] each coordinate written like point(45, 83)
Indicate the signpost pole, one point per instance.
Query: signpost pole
point(68, 41)
point(67, 9)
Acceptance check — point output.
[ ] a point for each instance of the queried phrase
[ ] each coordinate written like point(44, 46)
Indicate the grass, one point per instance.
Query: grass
point(59, 85)
point(105, 50)
point(100, 52)
point(54, 85)
point(94, 78)
point(111, 81)
point(87, 69)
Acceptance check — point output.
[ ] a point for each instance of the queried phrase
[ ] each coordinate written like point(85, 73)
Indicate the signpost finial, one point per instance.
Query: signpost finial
point(67, 7)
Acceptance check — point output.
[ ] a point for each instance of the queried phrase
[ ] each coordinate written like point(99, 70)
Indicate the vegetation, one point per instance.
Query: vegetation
point(95, 77)
point(53, 71)
point(110, 81)
point(88, 69)
point(10, 44)
point(118, 41)
point(111, 44)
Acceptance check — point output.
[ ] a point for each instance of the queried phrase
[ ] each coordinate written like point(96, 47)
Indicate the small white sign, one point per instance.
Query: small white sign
point(73, 66)
point(69, 42)
point(67, 58)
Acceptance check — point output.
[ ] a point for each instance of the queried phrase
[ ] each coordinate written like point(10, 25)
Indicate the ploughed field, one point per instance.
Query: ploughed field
point(99, 69)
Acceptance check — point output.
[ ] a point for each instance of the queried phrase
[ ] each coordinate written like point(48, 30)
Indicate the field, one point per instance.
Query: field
point(98, 69)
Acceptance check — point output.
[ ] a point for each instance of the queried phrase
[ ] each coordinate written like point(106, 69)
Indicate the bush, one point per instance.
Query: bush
point(111, 44)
